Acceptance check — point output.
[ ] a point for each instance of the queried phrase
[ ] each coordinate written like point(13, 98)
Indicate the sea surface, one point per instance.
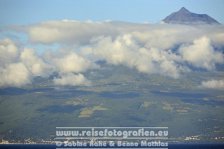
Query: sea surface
point(171, 146)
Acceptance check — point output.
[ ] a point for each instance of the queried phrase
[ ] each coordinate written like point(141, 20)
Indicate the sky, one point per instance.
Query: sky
point(29, 12)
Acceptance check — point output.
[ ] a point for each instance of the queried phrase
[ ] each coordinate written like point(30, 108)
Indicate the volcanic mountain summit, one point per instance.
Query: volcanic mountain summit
point(184, 16)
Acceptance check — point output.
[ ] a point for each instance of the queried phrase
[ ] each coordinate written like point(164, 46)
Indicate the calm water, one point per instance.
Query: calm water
point(171, 146)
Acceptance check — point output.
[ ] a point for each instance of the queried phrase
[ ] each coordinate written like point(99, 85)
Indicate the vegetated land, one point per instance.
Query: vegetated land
point(118, 96)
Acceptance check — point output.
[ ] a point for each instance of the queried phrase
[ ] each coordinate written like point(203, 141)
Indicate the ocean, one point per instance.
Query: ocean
point(171, 146)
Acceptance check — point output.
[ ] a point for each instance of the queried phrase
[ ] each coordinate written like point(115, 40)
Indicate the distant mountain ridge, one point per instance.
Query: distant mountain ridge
point(184, 16)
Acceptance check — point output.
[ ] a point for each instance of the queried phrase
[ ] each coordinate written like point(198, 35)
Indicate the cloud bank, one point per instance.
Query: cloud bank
point(72, 80)
point(15, 74)
point(20, 65)
point(201, 54)
point(213, 84)
point(167, 50)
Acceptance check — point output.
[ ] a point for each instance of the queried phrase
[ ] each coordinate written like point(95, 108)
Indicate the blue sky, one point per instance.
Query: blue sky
point(32, 11)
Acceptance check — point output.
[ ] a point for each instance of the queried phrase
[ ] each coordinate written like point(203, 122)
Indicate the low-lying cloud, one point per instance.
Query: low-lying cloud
point(71, 62)
point(213, 84)
point(19, 66)
point(167, 50)
point(201, 54)
point(15, 74)
point(71, 79)
point(125, 51)
point(34, 63)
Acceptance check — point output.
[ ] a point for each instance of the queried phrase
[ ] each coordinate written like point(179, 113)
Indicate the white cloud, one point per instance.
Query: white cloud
point(15, 74)
point(201, 54)
point(151, 35)
point(124, 50)
point(213, 84)
point(12, 71)
point(33, 62)
point(71, 79)
point(19, 66)
point(8, 51)
point(66, 31)
point(167, 50)
point(71, 62)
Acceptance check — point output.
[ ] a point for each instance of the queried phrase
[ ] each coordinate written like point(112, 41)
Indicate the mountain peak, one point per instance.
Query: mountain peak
point(184, 16)
point(183, 9)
